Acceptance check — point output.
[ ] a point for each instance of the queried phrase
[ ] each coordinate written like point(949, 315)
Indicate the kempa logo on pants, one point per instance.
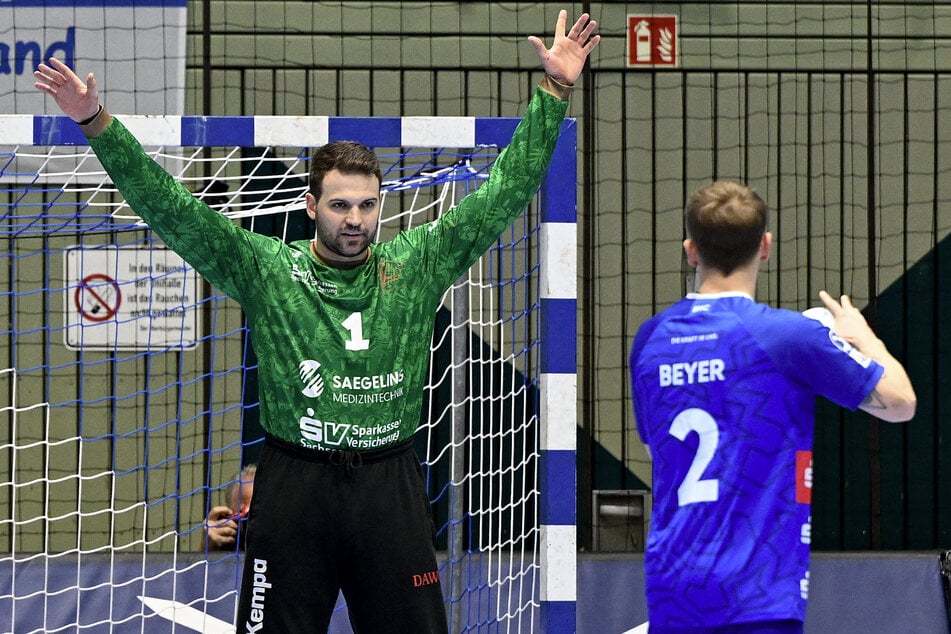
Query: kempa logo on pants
point(258, 587)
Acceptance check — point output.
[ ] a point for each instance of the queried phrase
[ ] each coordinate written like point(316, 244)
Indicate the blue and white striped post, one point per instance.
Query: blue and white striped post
point(558, 395)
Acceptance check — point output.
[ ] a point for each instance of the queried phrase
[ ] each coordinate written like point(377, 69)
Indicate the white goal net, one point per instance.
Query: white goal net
point(128, 398)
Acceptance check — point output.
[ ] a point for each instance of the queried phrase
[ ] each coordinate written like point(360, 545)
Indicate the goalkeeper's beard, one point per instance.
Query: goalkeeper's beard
point(347, 246)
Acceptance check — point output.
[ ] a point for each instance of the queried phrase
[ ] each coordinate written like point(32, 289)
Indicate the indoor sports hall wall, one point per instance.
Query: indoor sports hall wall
point(838, 112)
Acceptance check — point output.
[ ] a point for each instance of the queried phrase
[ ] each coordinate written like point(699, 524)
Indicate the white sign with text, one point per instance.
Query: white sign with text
point(129, 298)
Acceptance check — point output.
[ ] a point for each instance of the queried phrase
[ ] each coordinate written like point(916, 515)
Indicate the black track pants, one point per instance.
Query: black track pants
point(321, 522)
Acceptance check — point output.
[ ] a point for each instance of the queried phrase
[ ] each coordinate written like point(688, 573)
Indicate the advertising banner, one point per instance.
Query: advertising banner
point(135, 48)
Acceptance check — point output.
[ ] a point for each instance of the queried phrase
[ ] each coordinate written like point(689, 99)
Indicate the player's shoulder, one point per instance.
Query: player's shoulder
point(274, 246)
point(648, 327)
point(679, 308)
point(786, 335)
point(770, 317)
point(780, 326)
point(770, 314)
point(401, 247)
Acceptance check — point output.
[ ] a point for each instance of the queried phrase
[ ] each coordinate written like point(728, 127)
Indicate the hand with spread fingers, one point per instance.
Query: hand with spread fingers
point(79, 101)
point(565, 60)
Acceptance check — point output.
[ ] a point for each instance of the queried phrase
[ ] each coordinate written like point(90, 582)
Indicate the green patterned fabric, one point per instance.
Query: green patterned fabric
point(343, 354)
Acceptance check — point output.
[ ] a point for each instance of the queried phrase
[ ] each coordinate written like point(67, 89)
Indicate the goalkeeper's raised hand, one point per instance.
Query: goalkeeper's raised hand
point(565, 59)
point(79, 101)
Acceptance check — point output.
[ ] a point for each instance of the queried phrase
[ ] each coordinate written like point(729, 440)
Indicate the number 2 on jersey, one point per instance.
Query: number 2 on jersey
point(693, 489)
point(354, 324)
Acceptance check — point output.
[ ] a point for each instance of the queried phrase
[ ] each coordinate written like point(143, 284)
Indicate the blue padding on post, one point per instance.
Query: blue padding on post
point(199, 131)
point(558, 335)
point(494, 132)
point(372, 132)
point(558, 617)
point(57, 130)
point(560, 187)
point(558, 484)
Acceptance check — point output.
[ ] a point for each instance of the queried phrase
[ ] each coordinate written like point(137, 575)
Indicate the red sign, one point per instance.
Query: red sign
point(804, 477)
point(652, 40)
point(98, 297)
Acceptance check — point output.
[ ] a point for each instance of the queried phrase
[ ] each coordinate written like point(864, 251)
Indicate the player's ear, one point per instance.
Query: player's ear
point(765, 246)
point(690, 249)
point(311, 203)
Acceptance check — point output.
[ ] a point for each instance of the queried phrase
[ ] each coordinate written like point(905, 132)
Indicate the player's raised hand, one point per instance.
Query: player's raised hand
point(850, 323)
point(893, 398)
point(78, 101)
point(565, 59)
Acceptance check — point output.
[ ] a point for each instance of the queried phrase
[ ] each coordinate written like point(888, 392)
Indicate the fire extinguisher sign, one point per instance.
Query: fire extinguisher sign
point(652, 40)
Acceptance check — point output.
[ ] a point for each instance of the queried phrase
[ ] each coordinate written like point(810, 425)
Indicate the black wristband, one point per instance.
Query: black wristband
point(92, 118)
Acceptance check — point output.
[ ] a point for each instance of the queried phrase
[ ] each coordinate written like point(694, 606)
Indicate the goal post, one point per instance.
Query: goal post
point(127, 390)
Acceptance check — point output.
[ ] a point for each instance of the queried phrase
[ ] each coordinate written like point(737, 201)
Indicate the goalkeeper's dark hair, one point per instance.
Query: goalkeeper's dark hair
point(347, 157)
point(726, 220)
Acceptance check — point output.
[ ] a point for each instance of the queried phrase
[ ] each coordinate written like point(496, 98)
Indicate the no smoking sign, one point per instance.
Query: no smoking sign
point(129, 298)
point(98, 297)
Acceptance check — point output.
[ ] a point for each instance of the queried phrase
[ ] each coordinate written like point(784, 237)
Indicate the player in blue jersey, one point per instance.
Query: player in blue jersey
point(724, 391)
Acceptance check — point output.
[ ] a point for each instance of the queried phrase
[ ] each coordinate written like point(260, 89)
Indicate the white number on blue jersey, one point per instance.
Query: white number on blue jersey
point(693, 489)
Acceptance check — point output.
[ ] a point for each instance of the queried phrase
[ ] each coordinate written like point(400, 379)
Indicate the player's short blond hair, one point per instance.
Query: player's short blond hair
point(726, 220)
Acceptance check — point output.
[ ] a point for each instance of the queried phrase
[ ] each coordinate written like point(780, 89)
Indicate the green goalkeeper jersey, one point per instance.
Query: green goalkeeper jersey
point(343, 353)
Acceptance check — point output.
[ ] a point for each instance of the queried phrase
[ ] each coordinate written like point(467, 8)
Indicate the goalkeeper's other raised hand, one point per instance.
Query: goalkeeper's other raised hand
point(79, 101)
point(565, 59)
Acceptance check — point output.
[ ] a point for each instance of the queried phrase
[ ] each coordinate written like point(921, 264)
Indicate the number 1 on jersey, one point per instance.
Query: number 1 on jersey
point(354, 324)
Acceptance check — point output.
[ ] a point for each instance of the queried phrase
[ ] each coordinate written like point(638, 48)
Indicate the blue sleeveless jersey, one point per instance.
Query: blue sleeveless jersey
point(724, 392)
